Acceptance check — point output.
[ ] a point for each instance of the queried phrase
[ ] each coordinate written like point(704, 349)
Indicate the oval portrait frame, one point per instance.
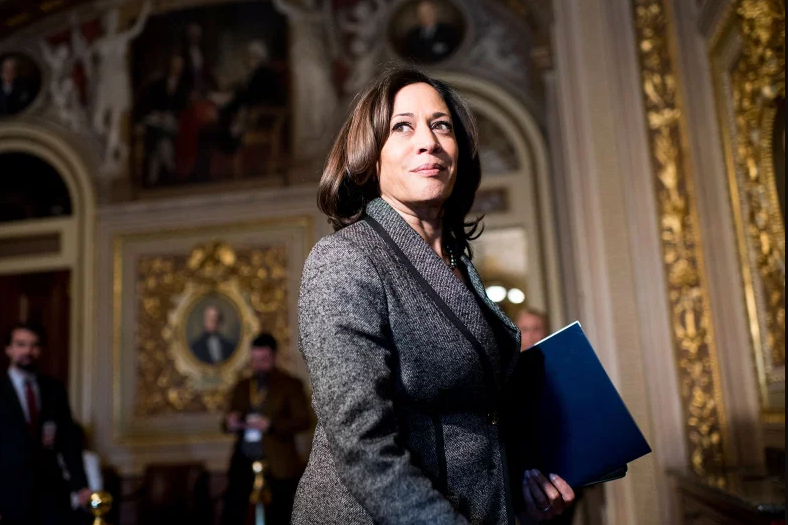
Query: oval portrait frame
point(204, 376)
point(31, 60)
point(401, 8)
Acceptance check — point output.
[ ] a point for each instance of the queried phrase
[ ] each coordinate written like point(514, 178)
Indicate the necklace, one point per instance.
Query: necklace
point(452, 258)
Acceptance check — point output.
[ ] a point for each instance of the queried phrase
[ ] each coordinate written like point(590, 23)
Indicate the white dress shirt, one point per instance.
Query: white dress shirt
point(18, 378)
point(215, 348)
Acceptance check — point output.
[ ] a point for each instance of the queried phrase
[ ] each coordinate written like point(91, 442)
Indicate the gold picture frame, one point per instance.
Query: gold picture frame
point(203, 375)
point(747, 53)
point(162, 394)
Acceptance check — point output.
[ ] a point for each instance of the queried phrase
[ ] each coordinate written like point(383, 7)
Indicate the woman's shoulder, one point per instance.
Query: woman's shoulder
point(351, 241)
point(350, 250)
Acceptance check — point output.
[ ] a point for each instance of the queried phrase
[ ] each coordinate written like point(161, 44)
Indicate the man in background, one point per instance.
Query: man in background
point(533, 327)
point(265, 411)
point(35, 427)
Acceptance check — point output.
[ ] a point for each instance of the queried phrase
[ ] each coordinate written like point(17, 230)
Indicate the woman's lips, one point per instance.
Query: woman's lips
point(429, 170)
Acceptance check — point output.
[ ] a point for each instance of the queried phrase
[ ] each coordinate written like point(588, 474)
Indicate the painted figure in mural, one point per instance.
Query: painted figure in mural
point(62, 88)
point(159, 111)
point(262, 87)
point(234, 117)
point(112, 96)
point(431, 40)
point(212, 347)
point(314, 92)
point(199, 74)
point(15, 95)
point(364, 22)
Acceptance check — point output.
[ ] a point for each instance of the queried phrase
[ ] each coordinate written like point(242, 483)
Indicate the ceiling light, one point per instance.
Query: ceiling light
point(496, 293)
point(516, 296)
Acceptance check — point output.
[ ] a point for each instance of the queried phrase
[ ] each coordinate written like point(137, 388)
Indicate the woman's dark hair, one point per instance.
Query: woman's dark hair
point(350, 179)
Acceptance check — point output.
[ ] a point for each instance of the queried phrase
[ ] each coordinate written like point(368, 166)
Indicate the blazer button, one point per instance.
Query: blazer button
point(492, 417)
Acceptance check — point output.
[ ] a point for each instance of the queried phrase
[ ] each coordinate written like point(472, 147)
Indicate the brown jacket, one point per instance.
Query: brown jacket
point(287, 408)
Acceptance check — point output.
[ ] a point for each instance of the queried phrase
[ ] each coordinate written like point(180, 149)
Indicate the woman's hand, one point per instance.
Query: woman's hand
point(545, 499)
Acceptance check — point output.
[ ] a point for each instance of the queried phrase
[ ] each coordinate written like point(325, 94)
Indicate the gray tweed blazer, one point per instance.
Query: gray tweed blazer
point(406, 431)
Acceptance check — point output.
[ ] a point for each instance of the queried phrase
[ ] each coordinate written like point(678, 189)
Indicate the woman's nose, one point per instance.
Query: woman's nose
point(428, 143)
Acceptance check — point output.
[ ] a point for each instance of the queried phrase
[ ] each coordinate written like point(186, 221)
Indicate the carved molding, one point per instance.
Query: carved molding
point(747, 53)
point(693, 334)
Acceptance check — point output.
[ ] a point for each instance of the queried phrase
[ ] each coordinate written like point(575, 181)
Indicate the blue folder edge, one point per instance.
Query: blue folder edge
point(570, 418)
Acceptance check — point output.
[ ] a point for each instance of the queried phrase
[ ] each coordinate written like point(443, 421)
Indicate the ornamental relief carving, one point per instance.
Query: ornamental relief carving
point(197, 314)
point(693, 334)
point(748, 57)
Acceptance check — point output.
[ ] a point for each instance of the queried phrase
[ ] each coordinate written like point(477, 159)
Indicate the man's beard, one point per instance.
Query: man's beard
point(30, 365)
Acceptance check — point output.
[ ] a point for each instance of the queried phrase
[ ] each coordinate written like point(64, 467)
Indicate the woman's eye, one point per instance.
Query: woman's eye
point(442, 125)
point(400, 126)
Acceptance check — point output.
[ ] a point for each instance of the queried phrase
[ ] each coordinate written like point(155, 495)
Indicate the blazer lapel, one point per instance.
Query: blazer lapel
point(8, 394)
point(509, 354)
point(454, 293)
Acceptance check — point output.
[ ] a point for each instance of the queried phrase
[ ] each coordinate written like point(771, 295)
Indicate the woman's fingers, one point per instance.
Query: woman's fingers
point(553, 495)
point(563, 487)
point(530, 505)
point(542, 504)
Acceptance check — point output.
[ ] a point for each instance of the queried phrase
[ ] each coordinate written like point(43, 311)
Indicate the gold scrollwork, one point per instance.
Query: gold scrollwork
point(749, 91)
point(170, 378)
point(680, 235)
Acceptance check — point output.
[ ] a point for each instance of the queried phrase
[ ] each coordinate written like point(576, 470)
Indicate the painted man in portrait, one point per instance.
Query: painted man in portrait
point(212, 347)
point(431, 40)
point(160, 108)
point(14, 94)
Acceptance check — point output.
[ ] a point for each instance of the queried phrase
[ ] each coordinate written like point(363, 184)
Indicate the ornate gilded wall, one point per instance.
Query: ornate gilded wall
point(693, 334)
point(747, 52)
point(187, 303)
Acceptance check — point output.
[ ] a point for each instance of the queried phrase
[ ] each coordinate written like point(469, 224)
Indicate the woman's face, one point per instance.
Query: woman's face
point(418, 163)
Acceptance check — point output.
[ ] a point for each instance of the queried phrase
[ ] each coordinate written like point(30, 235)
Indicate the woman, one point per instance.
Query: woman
point(406, 354)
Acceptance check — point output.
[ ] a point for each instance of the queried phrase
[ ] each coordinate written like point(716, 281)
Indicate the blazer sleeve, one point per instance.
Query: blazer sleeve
point(343, 320)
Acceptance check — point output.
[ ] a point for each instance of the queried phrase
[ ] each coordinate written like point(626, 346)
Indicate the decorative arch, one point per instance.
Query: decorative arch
point(530, 187)
point(76, 251)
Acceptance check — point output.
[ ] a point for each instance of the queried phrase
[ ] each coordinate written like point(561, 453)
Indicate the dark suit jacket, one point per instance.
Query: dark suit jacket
point(287, 407)
point(200, 348)
point(406, 427)
point(156, 97)
point(26, 469)
point(437, 46)
point(16, 100)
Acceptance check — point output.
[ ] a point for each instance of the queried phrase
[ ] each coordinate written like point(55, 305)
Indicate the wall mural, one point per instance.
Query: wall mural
point(211, 95)
point(191, 92)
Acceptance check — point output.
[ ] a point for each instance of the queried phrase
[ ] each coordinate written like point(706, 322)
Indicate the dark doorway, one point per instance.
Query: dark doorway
point(31, 189)
point(45, 299)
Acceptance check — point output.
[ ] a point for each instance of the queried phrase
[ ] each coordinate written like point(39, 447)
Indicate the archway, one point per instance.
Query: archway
point(63, 242)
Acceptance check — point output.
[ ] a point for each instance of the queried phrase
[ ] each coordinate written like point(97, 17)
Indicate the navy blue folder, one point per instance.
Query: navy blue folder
point(569, 419)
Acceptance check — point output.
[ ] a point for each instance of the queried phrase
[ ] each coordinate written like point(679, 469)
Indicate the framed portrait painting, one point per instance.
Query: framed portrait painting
point(188, 304)
point(20, 83)
point(427, 31)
